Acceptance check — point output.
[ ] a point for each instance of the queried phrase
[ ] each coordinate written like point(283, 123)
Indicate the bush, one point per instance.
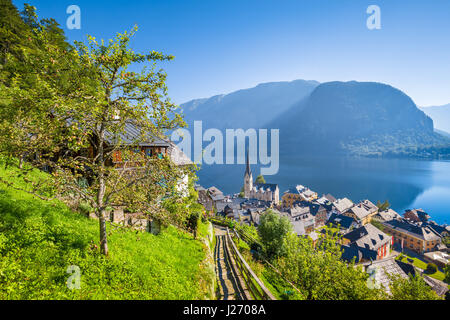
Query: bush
point(84, 209)
point(431, 268)
point(272, 230)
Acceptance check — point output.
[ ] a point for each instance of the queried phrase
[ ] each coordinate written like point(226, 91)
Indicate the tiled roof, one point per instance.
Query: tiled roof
point(388, 214)
point(383, 269)
point(339, 219)
point(132, 134)
point(368, 237)
point(330, 197)
point(360, 211)
point(265, 186)
point(343, 205)
point(413, 229)
point(177, 156)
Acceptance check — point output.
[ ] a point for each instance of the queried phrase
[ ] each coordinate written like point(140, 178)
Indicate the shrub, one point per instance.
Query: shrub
point(84, 208)
point(432, 268)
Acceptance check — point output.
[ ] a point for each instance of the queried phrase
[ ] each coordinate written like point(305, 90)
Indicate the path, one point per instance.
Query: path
point(231, 286)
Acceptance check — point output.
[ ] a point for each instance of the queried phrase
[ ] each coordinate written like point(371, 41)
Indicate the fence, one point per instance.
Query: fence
point(240, 233)
point(254, 284)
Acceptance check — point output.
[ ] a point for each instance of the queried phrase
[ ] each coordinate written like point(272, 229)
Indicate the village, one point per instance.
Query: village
point(374, 236)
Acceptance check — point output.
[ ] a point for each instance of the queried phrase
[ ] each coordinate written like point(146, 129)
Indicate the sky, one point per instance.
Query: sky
point(225, 45)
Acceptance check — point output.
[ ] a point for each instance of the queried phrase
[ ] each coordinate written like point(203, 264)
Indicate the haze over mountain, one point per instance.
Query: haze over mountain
point(247, 108)
point(362, 118)
point(440, 116)
point(357, 118)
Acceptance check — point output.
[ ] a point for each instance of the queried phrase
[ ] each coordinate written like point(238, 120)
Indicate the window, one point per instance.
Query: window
point(148, 152)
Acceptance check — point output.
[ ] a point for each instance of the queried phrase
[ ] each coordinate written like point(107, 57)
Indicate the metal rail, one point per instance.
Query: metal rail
point(249, 240)
point(232, 288)
point(254, 284)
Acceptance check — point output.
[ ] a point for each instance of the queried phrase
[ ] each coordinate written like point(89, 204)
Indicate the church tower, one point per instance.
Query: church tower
point(248, 179)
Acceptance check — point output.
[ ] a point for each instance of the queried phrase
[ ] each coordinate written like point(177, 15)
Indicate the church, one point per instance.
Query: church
point(260, 191)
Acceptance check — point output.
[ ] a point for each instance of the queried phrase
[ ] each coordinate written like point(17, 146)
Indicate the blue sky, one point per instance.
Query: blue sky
point(225, 45)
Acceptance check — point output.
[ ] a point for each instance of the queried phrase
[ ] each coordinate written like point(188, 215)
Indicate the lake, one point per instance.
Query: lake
point(404, 183)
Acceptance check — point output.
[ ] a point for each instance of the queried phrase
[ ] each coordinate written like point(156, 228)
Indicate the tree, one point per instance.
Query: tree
point(447, 273)
point(320, 274)
point(383, 206)
point(431, 268)
point(75, 108)
point(36, 67)
point(413, 288)
point(260, 179)
point(242, 194)
point(272, 230)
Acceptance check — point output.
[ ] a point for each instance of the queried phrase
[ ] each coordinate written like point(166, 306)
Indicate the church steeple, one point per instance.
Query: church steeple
point(247, 168)
point(248, 178)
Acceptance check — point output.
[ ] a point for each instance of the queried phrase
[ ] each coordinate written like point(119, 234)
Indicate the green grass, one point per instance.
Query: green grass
point(280, 289)
point(39, 240)
point(422, 265)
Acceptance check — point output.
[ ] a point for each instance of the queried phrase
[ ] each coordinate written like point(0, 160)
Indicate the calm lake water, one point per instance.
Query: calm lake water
point(404, 183)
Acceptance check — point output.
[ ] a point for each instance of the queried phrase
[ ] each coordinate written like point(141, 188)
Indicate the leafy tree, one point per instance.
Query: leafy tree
point(383, 206)
point(320, 274)
point(31, 72)
point(431, 268)
point(70, 113)
point(260, 179)
point(272, 231)
point(14, 33)
point(413, 288)
point(447, 273)
point(242, 194)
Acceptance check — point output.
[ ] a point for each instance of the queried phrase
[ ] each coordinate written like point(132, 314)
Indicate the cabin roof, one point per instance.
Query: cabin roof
point(132, 136)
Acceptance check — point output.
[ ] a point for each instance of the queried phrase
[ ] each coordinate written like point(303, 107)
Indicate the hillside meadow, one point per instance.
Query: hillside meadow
point(40, 240)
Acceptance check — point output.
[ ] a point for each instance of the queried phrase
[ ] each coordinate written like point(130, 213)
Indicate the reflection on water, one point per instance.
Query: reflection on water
point(405, 183)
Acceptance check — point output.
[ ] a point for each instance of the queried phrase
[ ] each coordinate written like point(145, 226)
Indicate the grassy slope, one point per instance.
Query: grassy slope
point(40, 240)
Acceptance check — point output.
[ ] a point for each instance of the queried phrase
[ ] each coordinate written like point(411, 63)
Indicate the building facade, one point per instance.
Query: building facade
point(260, 191)
point(413, 236)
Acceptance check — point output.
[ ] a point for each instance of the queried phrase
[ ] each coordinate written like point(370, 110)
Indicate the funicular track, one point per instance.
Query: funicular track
point(235, 278)
point(231, 286)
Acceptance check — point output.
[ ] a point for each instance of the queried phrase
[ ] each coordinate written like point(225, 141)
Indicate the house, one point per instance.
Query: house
point(345, 223)
point(303, 225)
point(362, 212)
point(386, 215)
point(290, 196)
point(443, 231)
point(381, 271)
point(416, 215)
point(342, 205)
point(413, 236)
point(204, 198)
point(318, 211)
point(209, 198)
point(326, 199)
point(297, 193)
point(439, 258)
point(370, 243)
point(152, 147)
point(216, 194)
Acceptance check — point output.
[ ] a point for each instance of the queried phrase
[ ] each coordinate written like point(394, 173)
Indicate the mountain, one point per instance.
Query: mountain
point(442, 133)
point(248, 108)
point(440, 116)
point(359, 118)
